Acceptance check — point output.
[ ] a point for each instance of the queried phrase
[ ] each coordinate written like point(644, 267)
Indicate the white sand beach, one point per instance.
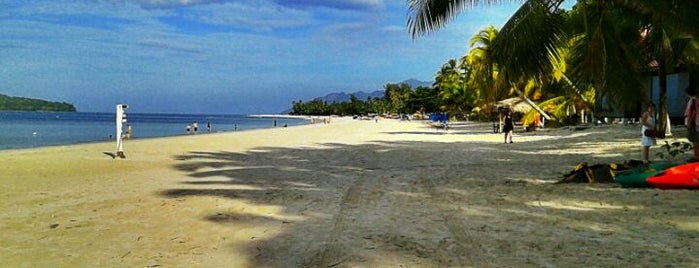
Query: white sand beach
point(352, 193)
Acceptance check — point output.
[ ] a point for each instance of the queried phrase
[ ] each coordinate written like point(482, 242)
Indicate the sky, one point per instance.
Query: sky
point(218, 56)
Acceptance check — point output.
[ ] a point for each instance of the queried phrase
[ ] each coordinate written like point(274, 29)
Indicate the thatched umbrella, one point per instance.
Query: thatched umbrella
point(516, 105)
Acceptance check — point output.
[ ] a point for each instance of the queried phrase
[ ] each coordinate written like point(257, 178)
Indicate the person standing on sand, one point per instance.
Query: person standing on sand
point(195, 127)
point(509, 127)
point(691, 120)
point(128, 132)
point(189, 128)
point(647, 122)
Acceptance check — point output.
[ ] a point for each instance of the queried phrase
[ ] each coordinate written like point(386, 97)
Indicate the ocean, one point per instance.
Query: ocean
point(38, 129)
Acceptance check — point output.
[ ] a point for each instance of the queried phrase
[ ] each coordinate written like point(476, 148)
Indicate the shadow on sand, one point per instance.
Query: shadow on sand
point(429, 204)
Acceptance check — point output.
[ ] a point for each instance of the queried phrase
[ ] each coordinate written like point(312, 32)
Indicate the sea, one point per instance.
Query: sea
point(19, 130)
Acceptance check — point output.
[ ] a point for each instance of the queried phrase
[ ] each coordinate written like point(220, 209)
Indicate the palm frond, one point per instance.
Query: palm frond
point(426, 16)
point(527, 42)
point(606, 56)
point(679, 15)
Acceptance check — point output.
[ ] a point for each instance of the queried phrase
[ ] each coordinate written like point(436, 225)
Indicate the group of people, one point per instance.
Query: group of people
point(193, 128)
point(691, 120)
point(648, 123)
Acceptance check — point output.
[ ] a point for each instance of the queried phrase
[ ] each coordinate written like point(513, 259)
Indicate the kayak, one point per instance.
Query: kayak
point(679, 177)
point(636, 177)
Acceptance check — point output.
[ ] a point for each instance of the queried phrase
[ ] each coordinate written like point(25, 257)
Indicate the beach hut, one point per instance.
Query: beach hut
point(515, 104)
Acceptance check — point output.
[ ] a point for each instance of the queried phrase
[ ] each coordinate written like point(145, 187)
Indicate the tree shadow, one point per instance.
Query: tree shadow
point(410, 203)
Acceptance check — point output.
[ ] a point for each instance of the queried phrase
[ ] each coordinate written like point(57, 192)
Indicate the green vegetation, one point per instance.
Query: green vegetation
point(595, 58)
point(571, 62)
point(399, 98)
point(26, 104)
point(671, 150)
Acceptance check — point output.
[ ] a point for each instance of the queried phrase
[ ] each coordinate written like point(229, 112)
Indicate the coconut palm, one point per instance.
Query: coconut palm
point(397, 94)
point(665, 48)
point(454, 93)
point(482, 68)
point(605, 55)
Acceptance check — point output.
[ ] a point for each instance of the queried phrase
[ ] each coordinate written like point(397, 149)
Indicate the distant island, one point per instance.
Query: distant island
point(10, 103)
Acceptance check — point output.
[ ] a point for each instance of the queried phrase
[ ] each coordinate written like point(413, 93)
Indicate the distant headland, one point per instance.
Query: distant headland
point(10, 103)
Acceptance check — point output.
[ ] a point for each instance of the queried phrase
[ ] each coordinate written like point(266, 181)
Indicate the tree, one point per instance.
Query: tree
point(423, 98)
point(449, 84)
point(397, 94)
point(483, 70)
point(604, 54)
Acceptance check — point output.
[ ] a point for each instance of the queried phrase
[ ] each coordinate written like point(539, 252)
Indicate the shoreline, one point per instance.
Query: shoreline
point(353, 193)
point(281, 116)
point(31, 144)
point(143, 138)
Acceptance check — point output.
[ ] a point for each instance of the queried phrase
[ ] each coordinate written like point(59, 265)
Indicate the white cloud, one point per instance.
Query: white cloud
point(172, 3)
point(232, 50)
point(119, 9)
point(257, 16)
point(335, 4)
point(364, 5)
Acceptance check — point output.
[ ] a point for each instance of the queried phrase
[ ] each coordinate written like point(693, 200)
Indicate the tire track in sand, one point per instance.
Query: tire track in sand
point(463, 248)
point(362, 196)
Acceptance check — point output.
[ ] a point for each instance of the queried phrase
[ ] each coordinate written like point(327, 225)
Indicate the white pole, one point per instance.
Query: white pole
point(120, 120)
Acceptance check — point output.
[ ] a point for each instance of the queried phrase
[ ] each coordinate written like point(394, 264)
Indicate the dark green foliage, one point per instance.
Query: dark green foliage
point(400, 98)
point(671, 150)
point(9, 103)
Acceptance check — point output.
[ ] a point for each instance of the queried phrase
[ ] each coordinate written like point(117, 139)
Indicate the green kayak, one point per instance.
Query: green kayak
point(636, 177)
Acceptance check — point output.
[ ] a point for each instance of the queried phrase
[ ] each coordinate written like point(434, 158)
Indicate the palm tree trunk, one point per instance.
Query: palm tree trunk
point(662, 105)
point(583, 120)
point(531, 103)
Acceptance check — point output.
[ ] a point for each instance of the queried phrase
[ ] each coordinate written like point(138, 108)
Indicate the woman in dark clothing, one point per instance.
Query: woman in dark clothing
point(509, 127)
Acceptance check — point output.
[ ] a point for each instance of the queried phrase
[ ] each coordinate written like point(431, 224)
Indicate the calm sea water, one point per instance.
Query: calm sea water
point(37, 129)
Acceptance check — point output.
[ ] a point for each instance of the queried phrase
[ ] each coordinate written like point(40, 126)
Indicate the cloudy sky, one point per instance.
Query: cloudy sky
point(218, 56)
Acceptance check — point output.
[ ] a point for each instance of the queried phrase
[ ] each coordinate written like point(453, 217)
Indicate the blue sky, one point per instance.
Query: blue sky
point(218, 56)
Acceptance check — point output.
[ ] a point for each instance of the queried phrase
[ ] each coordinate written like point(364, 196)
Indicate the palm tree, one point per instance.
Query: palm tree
point(479, 60)
point(482, 70)
point(665, 49)
point(449, 82)
point(604, 56)
point(397, 94)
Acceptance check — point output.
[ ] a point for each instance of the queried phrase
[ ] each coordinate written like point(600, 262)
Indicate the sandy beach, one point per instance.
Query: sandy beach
point(353, 193)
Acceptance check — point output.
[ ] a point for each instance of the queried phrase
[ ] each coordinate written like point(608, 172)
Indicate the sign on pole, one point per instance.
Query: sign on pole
point(120, 120)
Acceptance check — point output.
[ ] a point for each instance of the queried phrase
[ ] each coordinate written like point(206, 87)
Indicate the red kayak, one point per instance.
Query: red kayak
point(679, 177)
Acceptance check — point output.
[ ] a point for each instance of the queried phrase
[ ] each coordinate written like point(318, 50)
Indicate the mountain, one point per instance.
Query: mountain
point(345, 97)
point(10, 103)
point(414, 83)
point(361, 95)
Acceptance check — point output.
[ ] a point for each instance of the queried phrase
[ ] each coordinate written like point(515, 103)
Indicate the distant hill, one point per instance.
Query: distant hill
point(9, 103)
point(345, 97)
point(361, 95)
point(414, 83)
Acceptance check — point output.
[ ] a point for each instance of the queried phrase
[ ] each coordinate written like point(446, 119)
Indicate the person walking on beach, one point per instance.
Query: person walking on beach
point(189, 128)
point(647, 123)
point(208, 127)
point(128, 132)
point(691, 120)
point(509, 127)
point(195, 127)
